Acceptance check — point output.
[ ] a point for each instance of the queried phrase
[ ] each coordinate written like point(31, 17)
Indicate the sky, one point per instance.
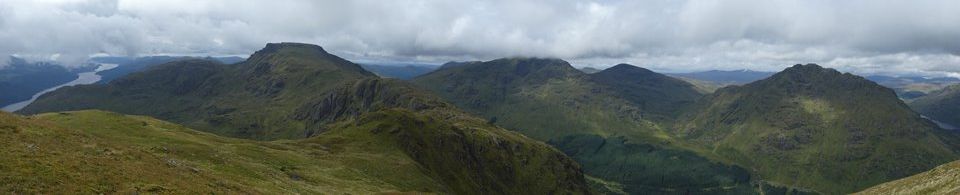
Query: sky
point(894, 37)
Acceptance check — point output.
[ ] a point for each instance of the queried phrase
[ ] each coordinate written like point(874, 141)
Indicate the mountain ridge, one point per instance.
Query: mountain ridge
point(617, 139)
point(220, 98)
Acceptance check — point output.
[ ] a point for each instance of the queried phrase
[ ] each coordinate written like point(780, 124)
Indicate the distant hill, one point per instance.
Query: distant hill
point(228, 59)
point(906, 87)
point(129, 65)
point(297, 91)
point(20, 80)
point(658, 94)
point(914, 87)
point(944, 179)
point(399, 71)
point(942, 105)
point(818, 129)
point(726, 77)
point(589, 70)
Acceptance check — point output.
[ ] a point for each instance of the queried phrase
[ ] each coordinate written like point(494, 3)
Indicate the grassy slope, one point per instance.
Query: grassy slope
point(101, 152)
point(943, 105)
point(384, 151)
point(549, 100)
point(945, 179)
point(818, 129)
point(472, 157)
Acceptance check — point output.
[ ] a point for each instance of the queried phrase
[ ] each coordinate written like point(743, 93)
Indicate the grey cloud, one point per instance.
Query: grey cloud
point(915, 37)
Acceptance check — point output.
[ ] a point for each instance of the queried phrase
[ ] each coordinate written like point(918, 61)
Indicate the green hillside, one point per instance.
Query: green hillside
point(945, 179)
point(661, 97)
point(385, 151)
point(816, 128)
point(806, 129)
point(614, 129)
point(548, 99)
point(253, 99)
point(942, 105)
point(92, 152)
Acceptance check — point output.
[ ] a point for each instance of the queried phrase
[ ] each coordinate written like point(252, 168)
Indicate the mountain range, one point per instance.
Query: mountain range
point(299, 91)
point(254, 99)
point(616, 122)
point(505, 126)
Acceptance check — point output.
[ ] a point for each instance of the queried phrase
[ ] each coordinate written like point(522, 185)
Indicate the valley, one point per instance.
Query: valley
point(83, 78)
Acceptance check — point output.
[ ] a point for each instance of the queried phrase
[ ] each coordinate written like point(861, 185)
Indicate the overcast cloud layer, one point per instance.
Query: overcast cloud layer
point(862, 36)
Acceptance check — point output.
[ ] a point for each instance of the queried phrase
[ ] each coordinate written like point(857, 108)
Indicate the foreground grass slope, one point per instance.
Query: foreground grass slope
point(818, 129)
point(945, 179)
point(101, 152)
point(386, 151)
